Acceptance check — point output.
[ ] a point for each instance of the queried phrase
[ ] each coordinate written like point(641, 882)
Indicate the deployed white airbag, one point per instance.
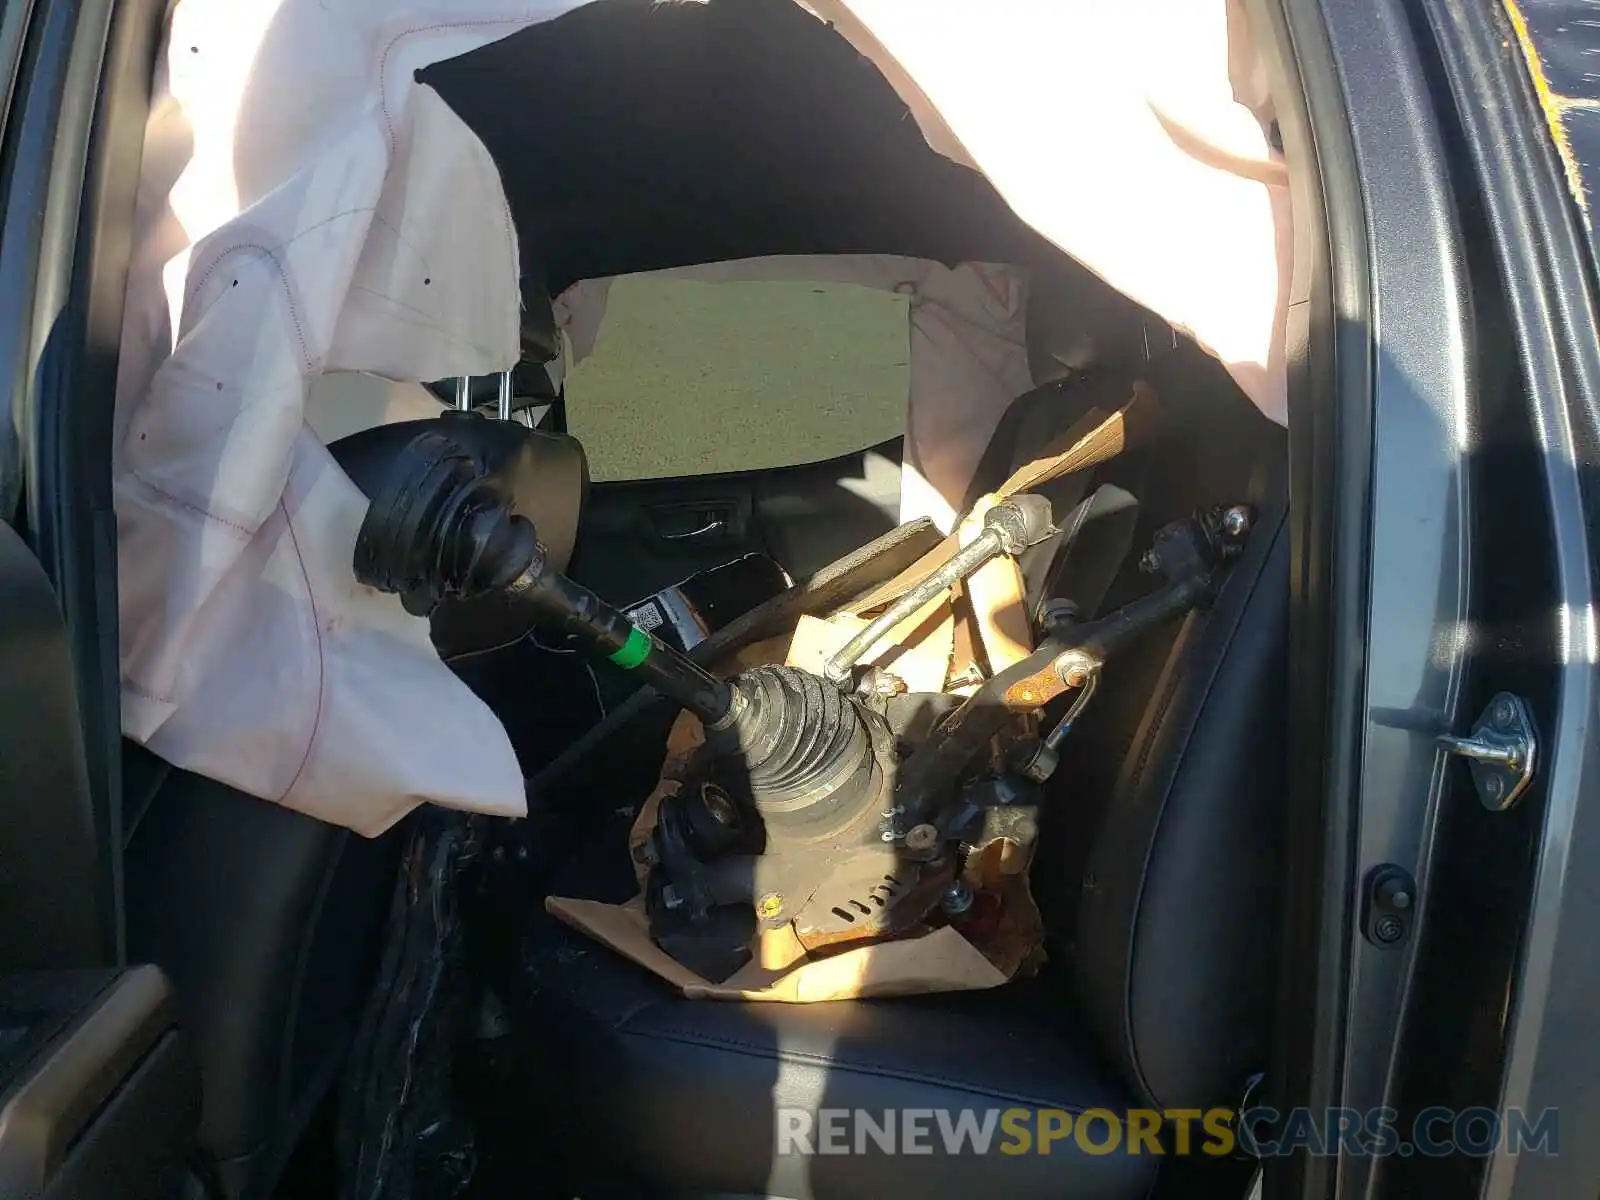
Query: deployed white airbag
point(306, 207)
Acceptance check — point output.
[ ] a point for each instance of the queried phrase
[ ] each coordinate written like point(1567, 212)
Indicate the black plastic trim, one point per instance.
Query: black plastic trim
point(1331, 381)
point(89, 86)
point(52, 913)
point(106, 1107)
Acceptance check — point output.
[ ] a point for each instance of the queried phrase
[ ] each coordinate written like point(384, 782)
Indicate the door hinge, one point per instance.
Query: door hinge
point(1500, 751)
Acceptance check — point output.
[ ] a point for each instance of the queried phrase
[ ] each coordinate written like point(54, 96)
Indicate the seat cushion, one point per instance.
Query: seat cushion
point(1179, 912)
point(1158, 871)
point(687, 1095)
point(268, 923)
point(1163, 810)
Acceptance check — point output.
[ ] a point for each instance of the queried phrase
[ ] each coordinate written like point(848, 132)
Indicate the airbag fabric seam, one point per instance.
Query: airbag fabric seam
point(322, 658)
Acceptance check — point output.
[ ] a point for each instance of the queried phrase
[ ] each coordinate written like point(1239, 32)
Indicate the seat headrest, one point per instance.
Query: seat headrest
point(1075, 322)
point(547, 473)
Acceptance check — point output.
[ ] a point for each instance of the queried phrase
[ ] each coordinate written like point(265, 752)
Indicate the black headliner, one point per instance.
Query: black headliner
point(635, 136)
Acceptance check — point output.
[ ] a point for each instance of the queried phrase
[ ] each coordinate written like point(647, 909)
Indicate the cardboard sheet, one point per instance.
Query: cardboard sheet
point(933, 959)
point(941, 960)
point(918, 651)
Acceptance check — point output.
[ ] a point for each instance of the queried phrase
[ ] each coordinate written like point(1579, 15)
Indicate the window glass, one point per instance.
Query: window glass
point(689, 377)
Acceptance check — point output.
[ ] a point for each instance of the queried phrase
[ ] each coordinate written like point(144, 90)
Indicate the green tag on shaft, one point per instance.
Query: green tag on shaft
point(633, 651)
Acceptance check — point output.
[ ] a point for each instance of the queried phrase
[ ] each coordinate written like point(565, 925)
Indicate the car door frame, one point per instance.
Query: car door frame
point(1401, 134)
point(74, 140)
point(1540, 861)
point(101, 1089)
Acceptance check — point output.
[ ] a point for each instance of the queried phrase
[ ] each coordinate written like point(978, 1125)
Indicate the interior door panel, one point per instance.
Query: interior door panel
point(54, 909)
point(636, 538)
point(640, 536)
point(99, 1091)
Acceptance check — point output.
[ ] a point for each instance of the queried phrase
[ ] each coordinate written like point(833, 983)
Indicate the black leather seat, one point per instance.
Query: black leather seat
point(658, 1094)
point(268, 923)
point(1160, 881)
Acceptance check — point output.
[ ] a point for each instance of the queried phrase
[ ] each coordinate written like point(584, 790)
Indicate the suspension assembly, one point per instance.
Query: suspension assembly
point(803, 807)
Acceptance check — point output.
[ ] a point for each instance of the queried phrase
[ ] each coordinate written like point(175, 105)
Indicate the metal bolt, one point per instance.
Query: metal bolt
point(1388, 929)
point(1504, 712)
point(769, 906)
point(882, 683)
point(1056, 612)
point(1150, 562)
point(718, 805)
point(920, 839)
point(1236, 521)
point(886, 836)
point(957, 898)
point(1075, 668)
point(1494, 786)
point(1395, 894)
point(969, 674)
